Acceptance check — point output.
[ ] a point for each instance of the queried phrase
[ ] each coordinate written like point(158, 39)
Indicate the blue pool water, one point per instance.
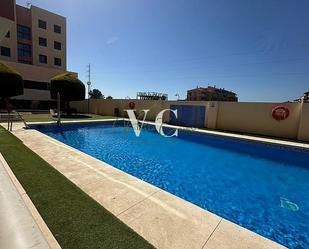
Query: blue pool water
point(262, 187)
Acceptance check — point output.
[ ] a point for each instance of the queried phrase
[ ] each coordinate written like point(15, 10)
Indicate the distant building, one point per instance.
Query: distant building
point(33, 42)
point(211, 93)
point(151, 96)
point(304, 98)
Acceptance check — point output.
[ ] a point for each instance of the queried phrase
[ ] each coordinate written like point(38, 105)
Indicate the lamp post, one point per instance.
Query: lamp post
point(89, 87)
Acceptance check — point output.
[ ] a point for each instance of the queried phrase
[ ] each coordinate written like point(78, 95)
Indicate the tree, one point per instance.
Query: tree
point(69, 87)
point(109, 97)
point(96, 94)
point(11, 84)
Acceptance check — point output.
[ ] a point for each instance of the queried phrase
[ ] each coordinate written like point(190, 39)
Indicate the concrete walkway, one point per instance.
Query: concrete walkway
point(21, 226)
point(163, 219)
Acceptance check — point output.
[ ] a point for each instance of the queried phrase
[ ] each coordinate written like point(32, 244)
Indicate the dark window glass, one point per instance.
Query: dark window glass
point(57, 62)
point(24, 61)
point(42, 24)
point(8, 34)
point(43, 59)
point(5, 51)
point(57, 45)
point(24, 50)
point(36, 85)
point(57, 29)
point(42, 41)
point(23, 32)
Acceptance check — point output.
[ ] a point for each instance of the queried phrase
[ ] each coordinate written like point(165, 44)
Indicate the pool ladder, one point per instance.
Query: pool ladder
point(22, 119)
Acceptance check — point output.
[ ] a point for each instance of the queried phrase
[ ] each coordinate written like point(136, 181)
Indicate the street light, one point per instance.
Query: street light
point(89, 87)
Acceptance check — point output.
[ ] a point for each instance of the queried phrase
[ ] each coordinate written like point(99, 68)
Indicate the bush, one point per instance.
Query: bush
point(96, 94)
point(72, 111)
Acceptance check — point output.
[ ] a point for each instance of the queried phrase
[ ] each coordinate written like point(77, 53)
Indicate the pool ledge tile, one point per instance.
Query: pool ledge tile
point(231, 236)
point(167, 221)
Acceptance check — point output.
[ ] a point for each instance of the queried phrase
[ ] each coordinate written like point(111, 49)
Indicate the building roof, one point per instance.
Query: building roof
point(211, 89)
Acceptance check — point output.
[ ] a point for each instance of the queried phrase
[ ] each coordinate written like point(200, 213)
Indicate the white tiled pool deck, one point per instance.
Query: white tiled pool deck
point(163, 219)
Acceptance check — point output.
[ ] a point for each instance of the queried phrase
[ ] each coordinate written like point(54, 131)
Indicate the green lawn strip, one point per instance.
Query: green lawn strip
point(75, 219)
point(33, 118)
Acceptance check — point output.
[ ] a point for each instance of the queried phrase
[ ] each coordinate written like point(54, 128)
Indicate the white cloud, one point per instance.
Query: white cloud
point(112, 40)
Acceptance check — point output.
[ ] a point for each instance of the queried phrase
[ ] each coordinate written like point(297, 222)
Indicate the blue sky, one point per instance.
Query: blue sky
point(259, 48)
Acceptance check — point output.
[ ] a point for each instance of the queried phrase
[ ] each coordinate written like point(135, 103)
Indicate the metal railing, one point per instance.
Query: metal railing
point(11, 117)
point(22, 119)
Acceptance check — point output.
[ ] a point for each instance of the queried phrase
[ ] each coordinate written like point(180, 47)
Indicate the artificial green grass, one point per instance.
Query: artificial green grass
point(75, 219)
point(45, 118)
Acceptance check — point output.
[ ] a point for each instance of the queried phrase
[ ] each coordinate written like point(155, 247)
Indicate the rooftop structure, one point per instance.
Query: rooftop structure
point(151, 96)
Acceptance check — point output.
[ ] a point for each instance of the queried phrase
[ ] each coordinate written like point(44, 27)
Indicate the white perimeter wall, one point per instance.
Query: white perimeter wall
point(254, 118)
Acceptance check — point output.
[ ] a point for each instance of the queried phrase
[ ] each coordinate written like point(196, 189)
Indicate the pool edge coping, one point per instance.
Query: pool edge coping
point(126, 175)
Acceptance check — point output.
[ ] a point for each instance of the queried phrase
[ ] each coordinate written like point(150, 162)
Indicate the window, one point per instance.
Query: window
point(43, 59)
point(57, 62)
point(23, 32)
point(57, 29)
point(5, 51)
point(42, 41)
point(24, 50)
point(8, 34)
point(36, 85)
point(57, 45)
point(42, 24)
point(24, 61)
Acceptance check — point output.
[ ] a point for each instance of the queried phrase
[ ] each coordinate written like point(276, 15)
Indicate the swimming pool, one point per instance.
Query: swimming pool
point(260, 186)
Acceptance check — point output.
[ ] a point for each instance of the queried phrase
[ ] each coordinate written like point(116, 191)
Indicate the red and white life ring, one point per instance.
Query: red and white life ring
point(280, 113)
point(131, 105)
